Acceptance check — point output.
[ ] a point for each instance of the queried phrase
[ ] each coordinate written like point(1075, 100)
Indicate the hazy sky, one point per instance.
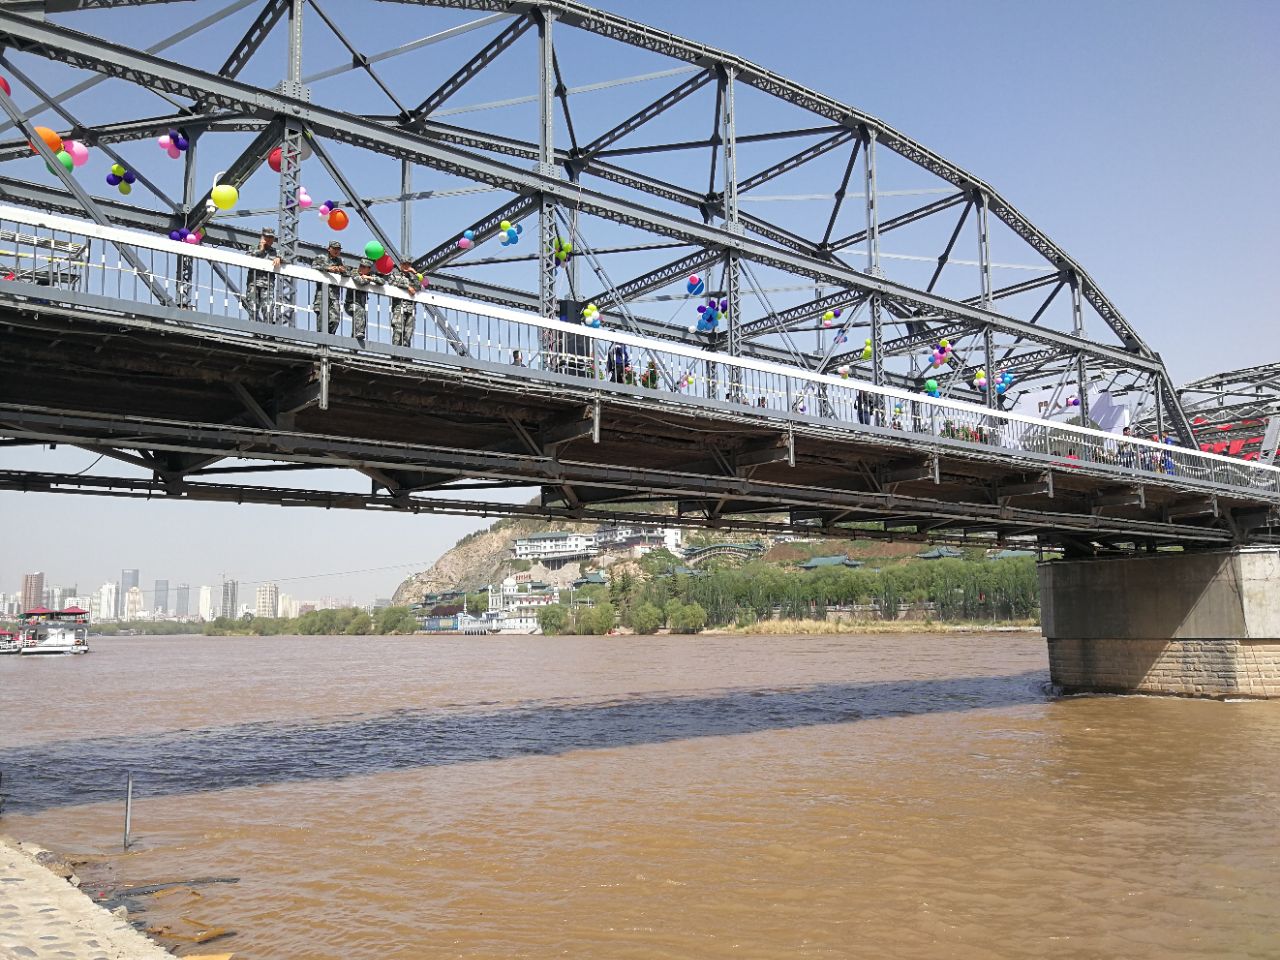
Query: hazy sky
point(1141, 136)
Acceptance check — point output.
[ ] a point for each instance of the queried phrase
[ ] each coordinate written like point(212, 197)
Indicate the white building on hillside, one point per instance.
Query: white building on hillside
point(514, 606)
point(555, 545)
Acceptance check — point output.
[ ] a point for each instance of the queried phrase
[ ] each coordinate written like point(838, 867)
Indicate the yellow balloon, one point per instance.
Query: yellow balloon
point(224, 196)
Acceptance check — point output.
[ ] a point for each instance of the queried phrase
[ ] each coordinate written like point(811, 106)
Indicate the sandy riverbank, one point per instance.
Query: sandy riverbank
point(44, 915)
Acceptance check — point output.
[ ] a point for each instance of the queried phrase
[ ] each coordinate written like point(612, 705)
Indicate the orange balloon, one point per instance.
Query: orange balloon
point(338, 220)
point(51, 139)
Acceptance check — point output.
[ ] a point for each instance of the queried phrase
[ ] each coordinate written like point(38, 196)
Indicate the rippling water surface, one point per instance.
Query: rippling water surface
point(761, 797)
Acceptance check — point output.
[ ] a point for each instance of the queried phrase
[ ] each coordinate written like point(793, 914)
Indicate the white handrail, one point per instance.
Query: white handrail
point(223, 256)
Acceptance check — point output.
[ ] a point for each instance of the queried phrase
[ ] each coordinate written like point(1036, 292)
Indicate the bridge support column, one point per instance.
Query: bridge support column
point(1187, 624)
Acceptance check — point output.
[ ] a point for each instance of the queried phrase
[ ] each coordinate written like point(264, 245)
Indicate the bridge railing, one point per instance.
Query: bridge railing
point(206, 284)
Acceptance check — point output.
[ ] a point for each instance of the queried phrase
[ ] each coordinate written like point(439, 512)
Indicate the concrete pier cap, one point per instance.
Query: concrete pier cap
point(1196, 624)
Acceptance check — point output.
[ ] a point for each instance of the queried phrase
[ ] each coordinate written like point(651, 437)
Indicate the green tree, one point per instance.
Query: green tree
point(553, 619)
point(645, 618)
point(688, 618)
point(358, 624)
point(395, 620)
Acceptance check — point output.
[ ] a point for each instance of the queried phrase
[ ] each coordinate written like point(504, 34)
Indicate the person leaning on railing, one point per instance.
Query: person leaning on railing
point(331, 263)
point(357, 302)
point(405, 278)
point(257, 288)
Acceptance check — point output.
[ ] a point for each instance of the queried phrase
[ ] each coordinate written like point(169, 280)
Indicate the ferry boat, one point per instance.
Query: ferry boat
point(9, 642)
point(52, 632)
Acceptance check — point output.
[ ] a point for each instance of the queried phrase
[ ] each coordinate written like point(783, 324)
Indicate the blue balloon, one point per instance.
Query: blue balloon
point(518, 228)
point(174, 235)
point(129, 176)
point(469, 234)
point(511, 234)
point(1000, 388)
point(113, 179)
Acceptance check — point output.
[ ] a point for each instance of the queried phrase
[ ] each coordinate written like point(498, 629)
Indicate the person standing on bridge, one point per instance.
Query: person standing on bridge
point(402, 311)
point(257, 289)
point(357, 303)
point(331, 263)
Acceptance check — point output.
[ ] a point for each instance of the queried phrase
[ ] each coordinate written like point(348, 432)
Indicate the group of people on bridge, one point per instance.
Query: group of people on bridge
point(329, 302)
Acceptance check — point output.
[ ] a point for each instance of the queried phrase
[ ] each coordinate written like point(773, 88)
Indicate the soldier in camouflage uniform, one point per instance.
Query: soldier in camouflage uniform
point(258, 284)
point(402, 311)
point(330, 263)
point(357, 303)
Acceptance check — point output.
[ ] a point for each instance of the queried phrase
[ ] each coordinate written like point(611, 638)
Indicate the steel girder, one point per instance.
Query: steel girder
point(430, 141)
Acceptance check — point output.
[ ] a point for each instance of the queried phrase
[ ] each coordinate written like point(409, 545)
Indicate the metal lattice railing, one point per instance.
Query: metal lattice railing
point(206, 284)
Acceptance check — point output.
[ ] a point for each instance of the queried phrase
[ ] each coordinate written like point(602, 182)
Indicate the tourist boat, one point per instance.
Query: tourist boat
point(50, 632)
point(9, 642)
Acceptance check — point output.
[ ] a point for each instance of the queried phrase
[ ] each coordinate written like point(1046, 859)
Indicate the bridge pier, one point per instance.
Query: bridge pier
point(1187, 624)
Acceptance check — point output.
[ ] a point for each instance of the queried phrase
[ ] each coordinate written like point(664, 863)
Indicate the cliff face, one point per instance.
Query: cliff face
point(475, 561)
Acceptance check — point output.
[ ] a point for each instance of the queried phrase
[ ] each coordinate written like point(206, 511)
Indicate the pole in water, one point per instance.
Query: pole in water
point(128, 809)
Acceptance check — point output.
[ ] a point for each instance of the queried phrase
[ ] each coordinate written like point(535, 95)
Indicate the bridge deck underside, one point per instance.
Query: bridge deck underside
point(189, 404)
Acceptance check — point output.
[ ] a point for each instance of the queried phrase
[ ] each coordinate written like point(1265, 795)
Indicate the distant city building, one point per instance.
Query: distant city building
point(287, 606)
point(267, 601)
point(134, 604)
point(381, 602)
point(108, 601)
point(32, 590)
point(6, 603)
point(230, 607)
point(128, 579)
point(514, 606)
point(306, 606)
point(83, 602)
point(182, 601)
point(56, 598)
point(160, 599)
point(206, 604)
point(555, 545)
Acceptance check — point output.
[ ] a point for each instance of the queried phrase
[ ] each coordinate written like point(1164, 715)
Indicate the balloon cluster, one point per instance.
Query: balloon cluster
point(467, 240)
point(940, 353)
point(844, 371)
point(1003, 380)
point(899, 410)
point(591, 315)
point(512, 232)
point(711, 312)
point(186, 236)
point(173, 143)
point(931, 388)
point(304, 198)
point(867, 351)
point(66, 152)
point(375, 251)
point(562, 249)
point(121, 179)
point(830, 317)
point(695, 286)
point(1073, 401)
point(337, 219)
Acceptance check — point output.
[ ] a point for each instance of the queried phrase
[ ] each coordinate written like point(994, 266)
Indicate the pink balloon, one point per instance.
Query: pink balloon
point(192, 238)
point(305, 201)
point(464, 244)
point(165, 142)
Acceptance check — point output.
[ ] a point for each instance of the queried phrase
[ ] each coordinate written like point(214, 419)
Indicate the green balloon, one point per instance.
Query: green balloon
point(64, 158)
point(931, 384)
point(117, 170)
point(374, 250)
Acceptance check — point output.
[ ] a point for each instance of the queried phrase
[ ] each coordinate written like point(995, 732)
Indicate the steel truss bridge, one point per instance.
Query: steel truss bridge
point(138, 348)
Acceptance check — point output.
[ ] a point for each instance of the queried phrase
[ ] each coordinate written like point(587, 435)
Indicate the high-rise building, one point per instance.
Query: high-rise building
point(108, 601)
point(59, 598)
point(182, 603)
point(230, 605)
point(128, 579)
point(288, 607)
point(267, 601)
point(134, 604)
point(160, 598)
point(206, 604)
point(32, 590)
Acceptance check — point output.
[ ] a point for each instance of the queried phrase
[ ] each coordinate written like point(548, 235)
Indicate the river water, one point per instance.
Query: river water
point(648, 798)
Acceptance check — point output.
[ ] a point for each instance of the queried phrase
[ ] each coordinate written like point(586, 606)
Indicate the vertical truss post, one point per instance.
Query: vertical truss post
point(873, 255)
point(546, 165)
point(406, 208)
point(984, 268)
point(190, 193)
point(1082, 372)
point(290, 169)
point(1159, 389)
point(732, 263)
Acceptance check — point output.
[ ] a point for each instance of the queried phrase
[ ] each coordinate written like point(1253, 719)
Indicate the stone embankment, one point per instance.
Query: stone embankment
point(44, 916)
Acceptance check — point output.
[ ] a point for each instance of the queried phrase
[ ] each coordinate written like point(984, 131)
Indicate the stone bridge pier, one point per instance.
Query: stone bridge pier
point(1204, 624)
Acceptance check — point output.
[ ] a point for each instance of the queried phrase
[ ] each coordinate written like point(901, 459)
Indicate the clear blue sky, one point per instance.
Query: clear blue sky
point(1141, 136)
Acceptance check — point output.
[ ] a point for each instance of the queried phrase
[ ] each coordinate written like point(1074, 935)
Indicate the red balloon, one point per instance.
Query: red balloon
point(273, 159)
point(338, 220)
point(384, 264)
point(4, 85)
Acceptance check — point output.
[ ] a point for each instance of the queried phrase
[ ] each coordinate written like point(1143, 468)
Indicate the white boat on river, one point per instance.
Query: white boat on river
point(45, 632)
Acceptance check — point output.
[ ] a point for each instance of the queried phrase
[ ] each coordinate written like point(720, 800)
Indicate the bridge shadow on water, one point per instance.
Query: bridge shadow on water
point(271, 752)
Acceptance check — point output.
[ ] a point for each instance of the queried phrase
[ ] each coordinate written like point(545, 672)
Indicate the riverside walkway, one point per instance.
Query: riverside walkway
point(43, 916)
